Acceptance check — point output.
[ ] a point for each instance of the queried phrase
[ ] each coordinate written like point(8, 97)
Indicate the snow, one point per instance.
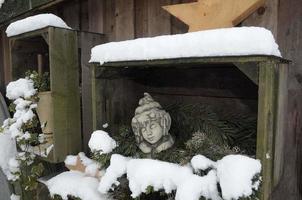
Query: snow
point(267, 156)
point(235, 174)
point(117, 168)
point(76, 184)
point(34, 23)
point(7, 150)
point(15, 197)
point(23, 87)
point(200, 162)
point(14, 167)
point(105, 125)
point(100, 141)
point(71, 160)
point(236, 41)
point(92, 167)
point(142, 173)
point(1, 3)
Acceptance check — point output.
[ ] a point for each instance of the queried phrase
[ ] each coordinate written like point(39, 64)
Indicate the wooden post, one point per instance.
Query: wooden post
point(271, 104)
point(40, 64)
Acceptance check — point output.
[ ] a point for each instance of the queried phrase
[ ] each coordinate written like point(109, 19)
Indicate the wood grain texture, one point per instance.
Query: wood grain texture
point(124, 19)
point(71, 13)
point(290, 42)
point(64, 76)
point(158, 19)
point(211, 14)
point(266, 16)
point(87, 41)
point(96, 12)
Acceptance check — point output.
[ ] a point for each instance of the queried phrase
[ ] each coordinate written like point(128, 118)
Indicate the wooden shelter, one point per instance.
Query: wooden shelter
point(99, 21)
point(117, 84)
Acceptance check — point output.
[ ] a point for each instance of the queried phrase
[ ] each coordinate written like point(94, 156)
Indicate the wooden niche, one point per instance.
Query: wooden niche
point(53, 50)
point(244, 87)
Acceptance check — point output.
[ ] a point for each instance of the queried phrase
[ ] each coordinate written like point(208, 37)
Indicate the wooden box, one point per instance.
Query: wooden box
point(54, 50)
point(249, 85)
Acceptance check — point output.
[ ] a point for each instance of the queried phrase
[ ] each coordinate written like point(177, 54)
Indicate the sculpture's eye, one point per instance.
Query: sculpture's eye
point(153, 125)
point(143, 130)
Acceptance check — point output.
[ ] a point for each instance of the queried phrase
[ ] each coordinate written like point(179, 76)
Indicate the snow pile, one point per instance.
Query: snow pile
point(7, 150)
point(71, 160)
point(219, 42)
point(92, 168)
point(200, 162)
point(142, 173)
point(14, 168)
point(15, 197)
point(34, 23)
point(101, 142)
point(234, 173)
point(76, 184)
point(23, 87)
point(1, 2)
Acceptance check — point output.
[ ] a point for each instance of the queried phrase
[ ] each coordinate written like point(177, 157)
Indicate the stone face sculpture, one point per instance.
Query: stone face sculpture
point(151, 125)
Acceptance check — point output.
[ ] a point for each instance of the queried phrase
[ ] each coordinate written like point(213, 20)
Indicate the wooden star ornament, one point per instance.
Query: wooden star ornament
point(211, 14)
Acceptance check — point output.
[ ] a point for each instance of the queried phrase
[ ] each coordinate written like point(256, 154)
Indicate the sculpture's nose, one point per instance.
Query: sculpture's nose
point(149, 131)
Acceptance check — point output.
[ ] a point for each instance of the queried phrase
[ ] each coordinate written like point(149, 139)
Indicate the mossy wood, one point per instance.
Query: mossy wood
point(59, 50)
point(257, 88)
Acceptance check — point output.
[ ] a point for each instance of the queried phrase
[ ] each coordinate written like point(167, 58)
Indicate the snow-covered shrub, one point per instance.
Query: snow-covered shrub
point(24, 128)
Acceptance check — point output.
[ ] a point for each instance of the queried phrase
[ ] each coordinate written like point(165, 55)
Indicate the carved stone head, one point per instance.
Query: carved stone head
point(151, 125)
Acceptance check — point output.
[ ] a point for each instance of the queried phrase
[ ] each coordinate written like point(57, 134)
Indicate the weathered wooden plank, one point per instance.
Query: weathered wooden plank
point(290, 43)
point(158, 19)
point(87, 40)
point(266, 16)
point(96, 15)
point(109, 20)
point(71, 13)
point(280, 135)
point(2, 88)
point(178, 26)
point(250, 70)
point(64, 75)
point(151, 19)
point(124, 19)
point(188, 62)
point(271, 116)
point(265, 130)
point(6, 59)
point(84, 16)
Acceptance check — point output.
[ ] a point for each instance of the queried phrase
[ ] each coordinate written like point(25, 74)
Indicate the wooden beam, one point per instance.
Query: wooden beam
point(271, 107)
point(251, 70)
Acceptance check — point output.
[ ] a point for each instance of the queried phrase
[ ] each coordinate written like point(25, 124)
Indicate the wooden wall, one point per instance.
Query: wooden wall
point(128, 19)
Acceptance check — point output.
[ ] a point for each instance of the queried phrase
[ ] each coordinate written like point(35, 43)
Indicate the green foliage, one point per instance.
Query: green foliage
point(41, 82)
point(30, 169)
point(197, 129)
point(223, 127)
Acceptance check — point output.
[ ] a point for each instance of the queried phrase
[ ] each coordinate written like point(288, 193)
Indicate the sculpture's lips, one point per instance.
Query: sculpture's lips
point(151, 138)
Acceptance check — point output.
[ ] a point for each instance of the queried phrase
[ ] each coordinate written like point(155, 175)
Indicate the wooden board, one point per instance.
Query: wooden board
point(87, 41)
point(64, 75)
point(209, 14)
point(270, 131)
point(124, 18)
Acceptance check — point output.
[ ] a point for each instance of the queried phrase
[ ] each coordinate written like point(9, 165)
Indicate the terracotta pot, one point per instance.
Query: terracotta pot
point(45, 111)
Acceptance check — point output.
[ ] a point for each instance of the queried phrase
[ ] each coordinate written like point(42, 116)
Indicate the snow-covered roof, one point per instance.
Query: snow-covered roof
point(240, 41)
point(34, 23)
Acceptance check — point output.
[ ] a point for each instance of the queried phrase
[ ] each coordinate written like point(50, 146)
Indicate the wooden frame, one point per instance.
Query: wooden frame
point(64, 83)
point(268, 72)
